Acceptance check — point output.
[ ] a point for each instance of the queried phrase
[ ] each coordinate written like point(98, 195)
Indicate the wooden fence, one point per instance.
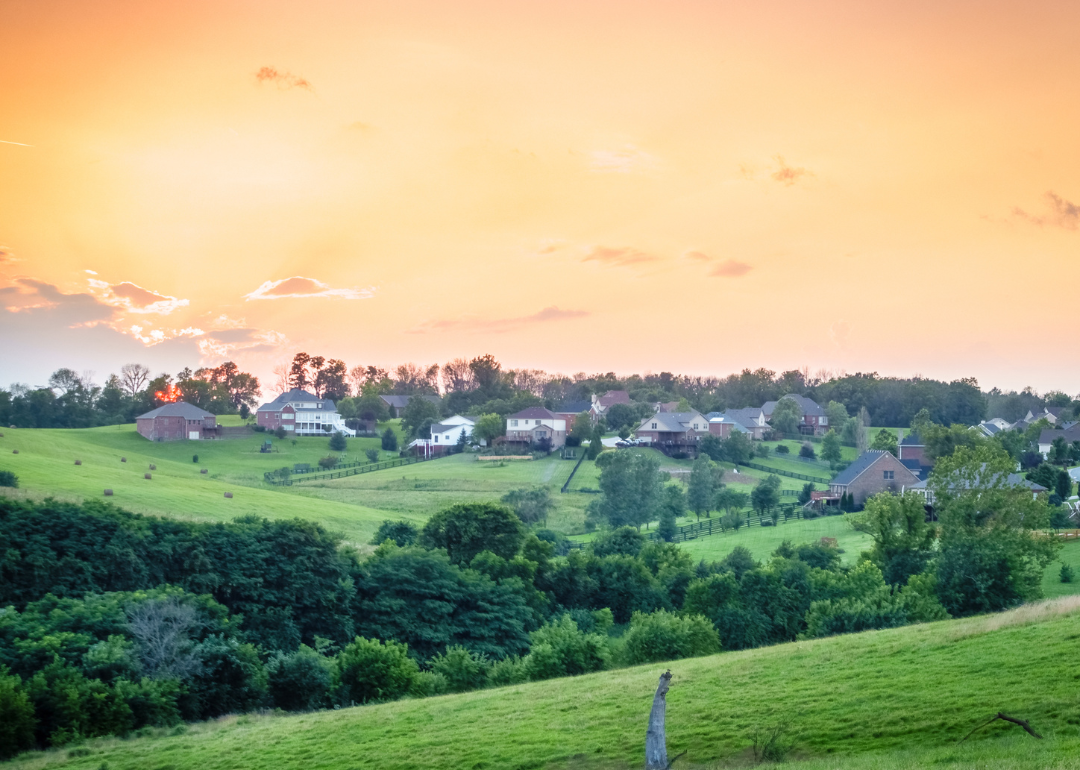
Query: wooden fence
point(350, 469)
point(789, 474)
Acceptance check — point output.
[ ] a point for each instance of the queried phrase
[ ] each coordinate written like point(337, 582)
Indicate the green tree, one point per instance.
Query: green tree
point(921, 422)
point(463, 670)
point(560, 649)
point(830, 448)
point(489, 427)
point(531, 505)
point(371, 671)
point(699, 493)
point(786, 416)
point(1063, 484)
point(941, 440)
point(389, 440)
point(372, 455)
point(712, 447)
point(581, 428)
point(730, 500)
point(401, 533)
point(17, 721)
point(596, 443)
point(903, 540)
point(766, 495)
point(671, 508)
point(417, 415)
point(738, 448)
point(300, 680)
point(862, 435)
point(338, 442)
point(885, 440)
point(663, 636)
point(806, 492)
point(467, 529)
point(837, 414)
point(631, 485)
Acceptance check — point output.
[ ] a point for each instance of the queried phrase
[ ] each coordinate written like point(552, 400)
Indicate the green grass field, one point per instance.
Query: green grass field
point(762, 541)
point(1051, 584)
point(897, 698)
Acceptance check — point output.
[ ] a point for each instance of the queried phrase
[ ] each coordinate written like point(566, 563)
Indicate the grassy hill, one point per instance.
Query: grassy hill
point(885, 699)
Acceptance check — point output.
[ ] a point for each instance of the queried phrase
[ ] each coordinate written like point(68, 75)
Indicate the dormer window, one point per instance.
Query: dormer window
point(654, 426)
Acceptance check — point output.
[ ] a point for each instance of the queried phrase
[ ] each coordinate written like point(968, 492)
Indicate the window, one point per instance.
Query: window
point(513, 423)
point(654, 426)
point(695, 426)
point(537, 422)
point(436, 439)
point(889, 474)
point(823, 420)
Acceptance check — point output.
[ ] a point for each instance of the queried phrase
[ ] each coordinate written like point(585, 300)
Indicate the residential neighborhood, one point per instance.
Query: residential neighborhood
point(302, 414)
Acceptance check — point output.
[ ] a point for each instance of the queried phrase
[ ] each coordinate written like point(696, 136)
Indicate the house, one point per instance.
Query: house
point(302, 414)
point(600, 404)
point(912, 454)
point(444, 436)
point(667, 406)
point(673, 432)
point(178, 421)
point(571, 409)
point(397, 404)
point(813, 422)
point(874, 471)
point(722, 427)
point(536, 426)
point(992, 427)
point(1047, 437)
point(1011, 480)
point(752, 419)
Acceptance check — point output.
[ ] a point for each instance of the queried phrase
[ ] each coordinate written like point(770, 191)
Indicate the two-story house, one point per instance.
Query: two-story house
point(536, 426)
point(673, 432)
point(178, 421)
point(874, 471)
point(814, 421)
point(302, 414)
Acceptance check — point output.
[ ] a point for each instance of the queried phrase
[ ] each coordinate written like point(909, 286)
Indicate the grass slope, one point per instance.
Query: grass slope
point(762, 541)
point(851, 701)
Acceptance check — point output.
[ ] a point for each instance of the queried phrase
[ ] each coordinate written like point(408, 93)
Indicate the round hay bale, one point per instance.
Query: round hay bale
point(1, 435)
point(153, 467)
point(14, 451)
point(146, 475)
point(228, 495)
point(108, 493)
point(203, 470)
point(123, 459)
point(78, 462)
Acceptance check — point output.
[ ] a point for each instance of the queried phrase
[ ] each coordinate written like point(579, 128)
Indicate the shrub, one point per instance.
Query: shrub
point(9, 479)
point(327, 462)
point(771, 742)
point(389, 440)
point(17, 720)
point(370, 670)
point(338, 442)
point(560, 649)
point(401, 532)
point(259, 428)
point(807, 450)
point(508, 671)
point(300, 681)
point(663, 636)
point(428, 683)
point(783, 449)
point(280, 433)
point(1066, 575)
point(194, 458)
point(462, 669)
point(372, 455)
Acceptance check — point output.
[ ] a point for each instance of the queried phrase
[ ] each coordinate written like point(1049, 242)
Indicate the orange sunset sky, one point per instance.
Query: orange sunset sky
point(696, 187)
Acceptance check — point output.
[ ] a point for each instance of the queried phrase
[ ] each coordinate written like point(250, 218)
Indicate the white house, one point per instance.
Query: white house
point(302, 414)
point(536, 425)
point(444, 435)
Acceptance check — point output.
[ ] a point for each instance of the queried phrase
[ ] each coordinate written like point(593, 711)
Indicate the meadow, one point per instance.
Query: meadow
point(896, 698)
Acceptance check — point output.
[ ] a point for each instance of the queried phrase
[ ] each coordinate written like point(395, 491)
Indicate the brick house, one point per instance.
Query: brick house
point(672, 432)
point(302, 414)
point(752, 419)
point(814, 421)
point(178, 421)
point(600, 404)
point(875, 470)
point(397, 404)
point(722, 426)
point(536, 425)
point(571, 409)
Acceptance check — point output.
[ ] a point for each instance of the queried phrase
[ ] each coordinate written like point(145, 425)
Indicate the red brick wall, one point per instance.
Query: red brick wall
point(873, 480)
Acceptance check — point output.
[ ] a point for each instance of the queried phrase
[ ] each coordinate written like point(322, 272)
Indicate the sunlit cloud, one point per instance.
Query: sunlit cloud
point(221, 345)
point(90, 272)
point(133, 298)
point(282, 79)
point(20, 144)
point(619, 257)
point(1062, 213)
point(500, 325)
point(730, 268)
point(698, 256)
point(788, 175)
point(621, 161)
point(299, 287)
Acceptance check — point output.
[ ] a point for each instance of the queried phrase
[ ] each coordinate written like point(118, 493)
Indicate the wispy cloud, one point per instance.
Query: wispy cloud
point(788, 175)
point(20, 144)
point(624, 160)
point(283, 79)
point(730, 268)
point(619, 257)
point(134, 298)
point(299, 287)
point(698, 256)
point(499, 325)
point(1062, 213)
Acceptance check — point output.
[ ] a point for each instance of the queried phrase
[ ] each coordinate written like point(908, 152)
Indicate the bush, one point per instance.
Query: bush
point(9, 479)
point(560, 649)
point(402, 533)
point(664, 636)
point(328, 462)
point(428, 683)
point(280, 433)
point(372, 455)
point(370, 670)
point(338, 442)
point(1066, 575)
point(508, 671)
point(389, 440)
point(783, 449)
point(300, 681)
point(807, 450)
point(462, 669)
point(17, 720)
point(771, 742)
point(194, 458)
point(259, 428)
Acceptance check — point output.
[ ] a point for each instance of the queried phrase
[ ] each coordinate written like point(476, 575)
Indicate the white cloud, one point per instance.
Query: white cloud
point(299, 287)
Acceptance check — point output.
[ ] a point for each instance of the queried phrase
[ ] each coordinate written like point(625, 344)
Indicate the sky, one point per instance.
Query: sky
point(697, 187)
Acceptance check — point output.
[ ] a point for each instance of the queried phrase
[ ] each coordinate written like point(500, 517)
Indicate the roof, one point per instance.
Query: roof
point(400, 402)
point(719, 418)
point(915, 466)
point(443, 428)
point(808, 405)
point(745, 417)
point(912, 439)
point(294, 396)
point(533, 412)
point(1069, 434)
point(862, 464)
point(177, 409)
point(672, 422)
point(574, 407)
point(989, 428)
point(1012, 480)
point(768, 408)
point(613, 397)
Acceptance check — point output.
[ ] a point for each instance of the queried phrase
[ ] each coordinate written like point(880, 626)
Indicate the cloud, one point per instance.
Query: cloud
point(283, 80)
point(27, 294)
point(1063, 213)
point(730, 268)
point(499, 325)
point(619, 257)
point(788, 175)
point(698, 256)
point(622, 161)
point(135, 299)
point(299, 287)
point(227, 343)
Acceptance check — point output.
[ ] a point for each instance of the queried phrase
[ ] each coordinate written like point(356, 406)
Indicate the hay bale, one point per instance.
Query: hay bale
point(108, 493)
point(78, 462)
point(203, 470)
point(228, 495)
point(123, 459)
point(153, 467)
point(14, 451)
point(146, 475)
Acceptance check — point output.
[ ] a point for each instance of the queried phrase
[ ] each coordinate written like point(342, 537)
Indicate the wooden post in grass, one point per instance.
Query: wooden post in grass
point(655, 737)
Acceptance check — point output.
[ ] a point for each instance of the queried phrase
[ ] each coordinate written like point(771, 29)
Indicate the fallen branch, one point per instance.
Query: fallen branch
point(1006, 718)
point(672, 762)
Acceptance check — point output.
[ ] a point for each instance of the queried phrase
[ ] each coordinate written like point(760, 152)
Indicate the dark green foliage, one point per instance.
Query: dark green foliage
point(417, 416)
point(1059, 518)
point(712, 447)
point(783, 449)
point(807, 450)
point(632, 485)
point(389, 440)
point(561, 649)
point(624, 541)
point(766, 495)
point(17, 721)
point(9, 479)
point(280, 432)
point(466, 530)
point(903, 540)
point(338, 442)
point(596, 443)
point(1063, 484)
point(663, 636)
point(672, 506)
point(805, 493)
point(1066, 574)
point(372, 455)
point(401, 533)
point(532, 506)
point(1045, 475)
point(194, 458)
point(372, 671)
point(301, 680)
point(230, 679)
point(463, 670)
point(699, 493)
point(885, 440)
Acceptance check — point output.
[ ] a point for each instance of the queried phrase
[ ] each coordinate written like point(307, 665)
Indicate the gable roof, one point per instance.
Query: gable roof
point(808, 405)
point(574, 407)
point(673, 422)
point(746, 417)
point(177, 409)
point(296, 396)
point(613, 397)
point(912, 439)
point(717, 417)
point(1012, 480)
point(533, 412)
point(862, 464)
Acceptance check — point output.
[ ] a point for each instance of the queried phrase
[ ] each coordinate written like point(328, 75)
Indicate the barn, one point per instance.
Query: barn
point(178, 421)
